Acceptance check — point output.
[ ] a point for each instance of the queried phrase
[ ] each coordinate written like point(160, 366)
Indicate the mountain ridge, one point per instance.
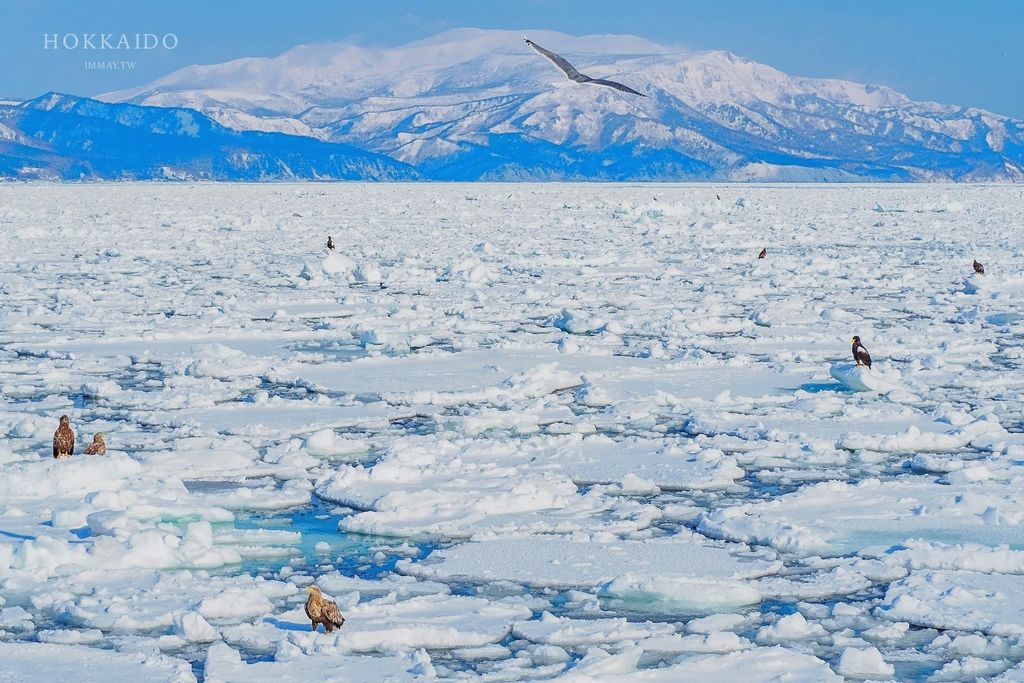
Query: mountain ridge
point(457, 99)
point(66, 137)
point(478, 104)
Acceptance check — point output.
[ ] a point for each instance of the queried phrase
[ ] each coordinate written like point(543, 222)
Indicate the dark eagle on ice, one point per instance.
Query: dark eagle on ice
point(575, 75)
point(63, 439)
point(860, 354)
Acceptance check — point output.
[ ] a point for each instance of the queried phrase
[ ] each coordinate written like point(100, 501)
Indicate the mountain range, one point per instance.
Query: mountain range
point(472, 104)
point(63, 137)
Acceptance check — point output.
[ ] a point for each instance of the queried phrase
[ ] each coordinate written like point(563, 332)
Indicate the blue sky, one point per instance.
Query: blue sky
point(962, 52)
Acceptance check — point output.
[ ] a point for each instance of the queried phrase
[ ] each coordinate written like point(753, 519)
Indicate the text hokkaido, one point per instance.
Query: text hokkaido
point(109, 41)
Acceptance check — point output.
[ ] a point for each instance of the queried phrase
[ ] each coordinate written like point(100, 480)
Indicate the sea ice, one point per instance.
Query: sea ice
point(676, 574)
point(530, 429)
point(959, 600)
point(51, 662)
point(835, 517)
point(864, 663)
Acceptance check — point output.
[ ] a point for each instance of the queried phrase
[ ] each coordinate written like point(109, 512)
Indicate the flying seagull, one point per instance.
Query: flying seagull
point(574, 75)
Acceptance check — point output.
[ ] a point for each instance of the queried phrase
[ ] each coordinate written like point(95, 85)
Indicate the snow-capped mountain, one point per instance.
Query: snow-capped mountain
point(469, 104)
point(58, 136)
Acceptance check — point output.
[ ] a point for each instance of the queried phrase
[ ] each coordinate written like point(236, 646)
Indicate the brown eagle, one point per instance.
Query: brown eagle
point(764, 252)
point(978, 268)
point(63, 439)
point(322, 611)
point(98, 445)
point(860, 354)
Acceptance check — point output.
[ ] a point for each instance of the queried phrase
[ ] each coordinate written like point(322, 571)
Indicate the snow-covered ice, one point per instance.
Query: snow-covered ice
point(677, 573)
point(49, 662)
point(548, 432)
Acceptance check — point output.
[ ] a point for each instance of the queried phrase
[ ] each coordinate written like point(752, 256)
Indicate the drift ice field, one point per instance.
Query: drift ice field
point(517, 432)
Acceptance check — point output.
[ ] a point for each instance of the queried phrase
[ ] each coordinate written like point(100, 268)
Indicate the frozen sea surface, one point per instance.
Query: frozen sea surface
point(517, 432)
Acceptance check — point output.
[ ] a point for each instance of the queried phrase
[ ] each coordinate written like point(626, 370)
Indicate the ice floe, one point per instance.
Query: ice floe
point(51, 662)
point(516, 432)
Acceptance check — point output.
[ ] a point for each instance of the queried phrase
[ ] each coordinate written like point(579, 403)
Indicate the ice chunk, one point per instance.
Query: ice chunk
point(757, 665)
point(959, 600)
point(53, 662)
point(679, 572)
point(834, 518)
point(192, 627)
point(337, 265)
point(790, 627)
point(864, 663)
point(326, 442)
point(566, 632)
point(688, 594)
point(16, 619)
point(862, 378)
point(89, 636)
point(224, 665)
point(368, 272)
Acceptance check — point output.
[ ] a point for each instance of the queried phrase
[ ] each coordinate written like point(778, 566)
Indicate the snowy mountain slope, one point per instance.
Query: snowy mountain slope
point(471, 103)
point(66, 137)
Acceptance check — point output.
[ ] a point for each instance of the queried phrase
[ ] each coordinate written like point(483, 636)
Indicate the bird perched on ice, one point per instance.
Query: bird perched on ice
point(320, 610)
point(978, 268)
point(764, 252)
point(98, 445)
point(860, 354)
point(64, 439)
point(330, 243)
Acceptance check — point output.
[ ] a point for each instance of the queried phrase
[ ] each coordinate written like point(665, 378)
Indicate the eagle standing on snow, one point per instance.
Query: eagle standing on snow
point(574, 75)
point(98, 445)
point(978, 268)
point(764, 252)
point(323, 611)
point(63, 439)
point(860, 354)
point(330, 243)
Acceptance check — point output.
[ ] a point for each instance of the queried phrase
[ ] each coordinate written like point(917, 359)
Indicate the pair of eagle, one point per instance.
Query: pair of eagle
point(64, 441)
